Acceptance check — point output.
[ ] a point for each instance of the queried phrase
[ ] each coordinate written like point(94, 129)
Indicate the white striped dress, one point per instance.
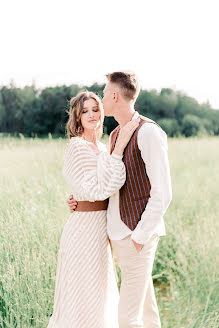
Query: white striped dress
point(86, 294)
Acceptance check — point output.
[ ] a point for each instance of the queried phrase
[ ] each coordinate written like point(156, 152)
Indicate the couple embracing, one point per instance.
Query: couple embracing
point(118, 202)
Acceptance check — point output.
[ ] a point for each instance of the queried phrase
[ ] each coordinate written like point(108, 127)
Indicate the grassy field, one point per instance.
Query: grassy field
point(33, 212)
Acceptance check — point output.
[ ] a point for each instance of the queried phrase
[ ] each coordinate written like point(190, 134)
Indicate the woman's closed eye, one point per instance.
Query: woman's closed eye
point(96, 109)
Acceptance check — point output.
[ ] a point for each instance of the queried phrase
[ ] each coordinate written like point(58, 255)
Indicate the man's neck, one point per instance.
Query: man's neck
point(124, 116)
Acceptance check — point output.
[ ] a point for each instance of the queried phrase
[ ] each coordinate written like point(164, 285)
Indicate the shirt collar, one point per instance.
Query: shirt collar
point(136, 115)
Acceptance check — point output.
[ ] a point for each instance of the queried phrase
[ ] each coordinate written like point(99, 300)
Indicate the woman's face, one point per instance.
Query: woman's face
point(90, 115)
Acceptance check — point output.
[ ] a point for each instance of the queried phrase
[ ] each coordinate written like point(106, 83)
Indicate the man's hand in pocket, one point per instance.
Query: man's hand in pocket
point(137, 246)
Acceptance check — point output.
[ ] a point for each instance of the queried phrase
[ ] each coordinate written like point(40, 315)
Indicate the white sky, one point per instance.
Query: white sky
point(168, 43)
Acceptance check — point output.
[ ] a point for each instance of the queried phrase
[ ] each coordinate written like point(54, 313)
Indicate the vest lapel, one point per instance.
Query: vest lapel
point(114, 137)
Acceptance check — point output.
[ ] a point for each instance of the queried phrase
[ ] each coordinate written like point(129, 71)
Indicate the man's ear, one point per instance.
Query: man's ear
point(115, 97)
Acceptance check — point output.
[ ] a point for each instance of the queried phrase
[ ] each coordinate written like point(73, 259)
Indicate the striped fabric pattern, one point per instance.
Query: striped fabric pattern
point(90, 176)
point(86, 293)
point(135, 193)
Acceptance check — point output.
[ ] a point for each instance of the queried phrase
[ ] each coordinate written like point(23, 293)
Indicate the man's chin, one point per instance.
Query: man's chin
point(108, 114)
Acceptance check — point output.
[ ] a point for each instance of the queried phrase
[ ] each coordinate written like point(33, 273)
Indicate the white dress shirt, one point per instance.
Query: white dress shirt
point(152, 142)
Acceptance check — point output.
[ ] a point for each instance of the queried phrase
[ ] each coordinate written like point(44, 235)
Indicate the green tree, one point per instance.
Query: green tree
point(31, 111)
point(2, 115)
point(192, 126)
point(170, 126)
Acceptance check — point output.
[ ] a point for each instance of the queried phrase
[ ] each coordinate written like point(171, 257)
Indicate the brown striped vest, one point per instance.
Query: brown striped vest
point(135, 193)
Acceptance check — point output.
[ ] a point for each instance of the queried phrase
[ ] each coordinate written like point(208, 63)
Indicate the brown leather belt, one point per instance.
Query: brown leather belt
point(85, 206)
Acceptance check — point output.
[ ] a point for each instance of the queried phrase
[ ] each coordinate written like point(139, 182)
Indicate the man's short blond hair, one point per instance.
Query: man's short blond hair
point(127, 82)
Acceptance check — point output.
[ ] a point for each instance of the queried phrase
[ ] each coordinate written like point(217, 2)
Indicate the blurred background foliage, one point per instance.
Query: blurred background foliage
point(38, 112)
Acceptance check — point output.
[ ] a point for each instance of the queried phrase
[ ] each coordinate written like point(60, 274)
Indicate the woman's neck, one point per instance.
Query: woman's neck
point(90, 136)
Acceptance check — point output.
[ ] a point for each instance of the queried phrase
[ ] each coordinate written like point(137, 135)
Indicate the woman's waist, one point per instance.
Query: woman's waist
point(88, 206)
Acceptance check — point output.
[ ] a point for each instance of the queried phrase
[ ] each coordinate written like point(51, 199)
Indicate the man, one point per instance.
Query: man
point(135, 213)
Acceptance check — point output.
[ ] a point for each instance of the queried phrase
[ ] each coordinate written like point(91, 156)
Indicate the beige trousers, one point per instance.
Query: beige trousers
point(137, 304)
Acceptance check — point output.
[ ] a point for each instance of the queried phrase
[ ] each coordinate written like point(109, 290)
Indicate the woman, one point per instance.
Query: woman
point(86, 294)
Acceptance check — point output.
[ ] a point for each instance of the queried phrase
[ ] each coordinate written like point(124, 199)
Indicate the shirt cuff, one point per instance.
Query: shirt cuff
point(116, 156)
point(140, 236)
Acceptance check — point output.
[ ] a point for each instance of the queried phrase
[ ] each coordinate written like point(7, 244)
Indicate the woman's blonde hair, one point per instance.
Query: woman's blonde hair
point(74, 127)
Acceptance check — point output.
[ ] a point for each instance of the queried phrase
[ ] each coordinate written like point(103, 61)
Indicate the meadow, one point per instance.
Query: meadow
point(33, 211)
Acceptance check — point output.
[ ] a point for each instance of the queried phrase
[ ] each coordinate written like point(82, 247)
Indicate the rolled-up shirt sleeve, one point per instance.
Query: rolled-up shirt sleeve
point(152, 142)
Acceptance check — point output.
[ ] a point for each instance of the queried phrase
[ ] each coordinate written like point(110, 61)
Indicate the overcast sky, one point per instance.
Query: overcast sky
point(168, 43)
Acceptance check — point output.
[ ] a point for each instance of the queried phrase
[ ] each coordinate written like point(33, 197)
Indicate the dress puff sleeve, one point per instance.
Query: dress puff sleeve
point(92, 177)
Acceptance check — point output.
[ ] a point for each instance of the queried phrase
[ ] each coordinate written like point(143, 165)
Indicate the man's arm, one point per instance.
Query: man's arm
point(72, 203)
point(152, 142)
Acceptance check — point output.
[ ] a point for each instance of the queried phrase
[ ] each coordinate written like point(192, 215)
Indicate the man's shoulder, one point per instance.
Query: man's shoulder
point(145, 119)
point(151, 126)
point(150, 130)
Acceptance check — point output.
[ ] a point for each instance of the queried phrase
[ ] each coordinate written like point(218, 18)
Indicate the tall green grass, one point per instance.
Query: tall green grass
point(33, 211)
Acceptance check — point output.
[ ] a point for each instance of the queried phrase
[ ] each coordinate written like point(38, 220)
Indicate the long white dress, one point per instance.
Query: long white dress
point(86, 293)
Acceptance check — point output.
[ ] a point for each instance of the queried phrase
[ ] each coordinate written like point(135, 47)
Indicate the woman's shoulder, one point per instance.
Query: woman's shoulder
point(76, 141)
point(76, 145)
point(80, 146)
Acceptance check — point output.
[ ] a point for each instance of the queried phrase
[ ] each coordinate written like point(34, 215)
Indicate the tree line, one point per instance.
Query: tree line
point(32, 112)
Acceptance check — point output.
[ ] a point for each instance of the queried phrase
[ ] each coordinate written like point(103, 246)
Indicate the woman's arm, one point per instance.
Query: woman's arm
point(93, 178)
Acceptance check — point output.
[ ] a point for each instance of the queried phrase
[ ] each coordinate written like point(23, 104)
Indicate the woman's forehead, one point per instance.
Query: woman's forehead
point(90, 102)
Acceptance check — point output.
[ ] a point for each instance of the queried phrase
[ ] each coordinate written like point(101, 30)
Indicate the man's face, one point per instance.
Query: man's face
point(108, 99)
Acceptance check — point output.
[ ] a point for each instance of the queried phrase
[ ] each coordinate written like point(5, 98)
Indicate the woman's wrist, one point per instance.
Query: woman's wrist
point(116, 156)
